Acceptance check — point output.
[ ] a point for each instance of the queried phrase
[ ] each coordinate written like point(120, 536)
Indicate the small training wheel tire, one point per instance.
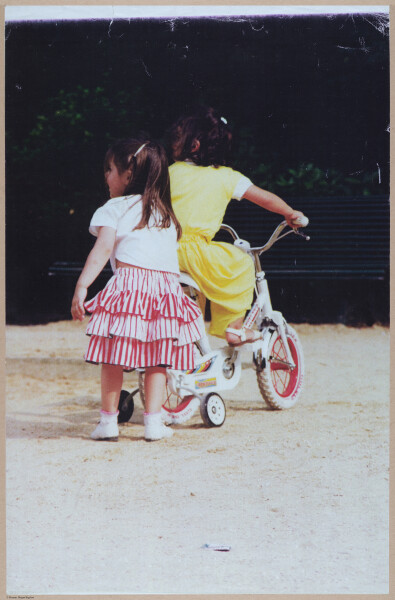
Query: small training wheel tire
point(125, 406)
point(212, 410)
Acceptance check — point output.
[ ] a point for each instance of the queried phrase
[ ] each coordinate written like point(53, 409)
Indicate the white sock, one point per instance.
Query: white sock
point(107, 417)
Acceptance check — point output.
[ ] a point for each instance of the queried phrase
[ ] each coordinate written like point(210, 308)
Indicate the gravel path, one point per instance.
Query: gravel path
point(301, 496)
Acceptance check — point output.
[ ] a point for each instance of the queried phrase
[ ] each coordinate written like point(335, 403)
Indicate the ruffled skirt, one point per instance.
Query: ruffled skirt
point(142, 318)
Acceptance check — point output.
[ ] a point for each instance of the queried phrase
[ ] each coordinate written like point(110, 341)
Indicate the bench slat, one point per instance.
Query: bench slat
point(349, 238)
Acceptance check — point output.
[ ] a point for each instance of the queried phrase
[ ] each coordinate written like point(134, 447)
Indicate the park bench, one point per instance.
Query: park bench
point(340, 275)
point(349, 239)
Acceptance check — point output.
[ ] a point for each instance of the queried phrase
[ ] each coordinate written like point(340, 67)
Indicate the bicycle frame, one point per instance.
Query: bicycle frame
point(262, 309)
point(220, 369)
point(277, 355)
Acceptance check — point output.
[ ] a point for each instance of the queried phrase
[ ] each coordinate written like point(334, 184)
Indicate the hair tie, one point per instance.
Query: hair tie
point(224, 120)
point(141, 147)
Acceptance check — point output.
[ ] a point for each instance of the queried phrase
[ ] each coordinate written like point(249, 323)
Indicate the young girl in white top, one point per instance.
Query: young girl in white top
point(141, 318)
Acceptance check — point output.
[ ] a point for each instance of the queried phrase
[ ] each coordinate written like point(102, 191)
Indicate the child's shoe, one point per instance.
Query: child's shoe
point(154, 428)
point(107, 429)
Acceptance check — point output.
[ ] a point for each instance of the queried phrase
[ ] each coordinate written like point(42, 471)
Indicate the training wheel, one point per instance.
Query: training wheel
point(126, 405)
point(212, 410)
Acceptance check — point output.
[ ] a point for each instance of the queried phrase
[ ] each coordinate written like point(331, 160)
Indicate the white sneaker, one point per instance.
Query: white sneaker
point(107, 429)
point(154, 428)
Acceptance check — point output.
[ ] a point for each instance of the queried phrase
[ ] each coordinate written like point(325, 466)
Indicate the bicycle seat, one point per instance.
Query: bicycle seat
point(186, 279)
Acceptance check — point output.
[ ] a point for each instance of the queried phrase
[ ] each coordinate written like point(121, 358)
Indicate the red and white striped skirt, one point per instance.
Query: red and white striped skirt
point(142, 318)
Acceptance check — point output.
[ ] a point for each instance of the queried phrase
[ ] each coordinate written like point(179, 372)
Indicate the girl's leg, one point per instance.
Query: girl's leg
point(111, 384)
point(155, 385)
point(154, 388)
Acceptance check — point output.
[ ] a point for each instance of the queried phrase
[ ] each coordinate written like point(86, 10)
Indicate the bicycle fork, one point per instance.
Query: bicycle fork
point(263, 307)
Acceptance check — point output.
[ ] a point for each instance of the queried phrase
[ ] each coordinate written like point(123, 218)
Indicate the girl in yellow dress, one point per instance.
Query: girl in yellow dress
point(201, 188)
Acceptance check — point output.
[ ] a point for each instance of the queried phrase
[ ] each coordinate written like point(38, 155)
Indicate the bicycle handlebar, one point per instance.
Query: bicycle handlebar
point(299, 222)
point(230, 230)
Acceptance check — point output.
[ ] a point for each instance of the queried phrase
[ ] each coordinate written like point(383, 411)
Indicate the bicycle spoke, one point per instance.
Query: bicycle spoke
point(280, 383)
point(282, 375)
point(281, 380)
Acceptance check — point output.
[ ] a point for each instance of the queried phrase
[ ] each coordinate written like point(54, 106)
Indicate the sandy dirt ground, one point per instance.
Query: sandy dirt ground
point(300, 495)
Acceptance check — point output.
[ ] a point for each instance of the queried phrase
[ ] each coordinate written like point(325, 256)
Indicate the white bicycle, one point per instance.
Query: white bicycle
point(277, 355)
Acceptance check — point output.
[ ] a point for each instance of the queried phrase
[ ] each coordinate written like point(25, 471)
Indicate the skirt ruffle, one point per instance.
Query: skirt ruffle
point(143, 318)
point(131, 354)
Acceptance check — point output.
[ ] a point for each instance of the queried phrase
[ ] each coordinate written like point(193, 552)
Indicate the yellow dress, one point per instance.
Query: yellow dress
point(224, 273)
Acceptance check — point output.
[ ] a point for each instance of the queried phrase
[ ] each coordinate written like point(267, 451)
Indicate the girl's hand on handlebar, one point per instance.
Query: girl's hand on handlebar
point(297, 219)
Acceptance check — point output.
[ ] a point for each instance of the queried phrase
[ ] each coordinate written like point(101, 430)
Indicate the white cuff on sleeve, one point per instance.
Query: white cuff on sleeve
point(242, 186)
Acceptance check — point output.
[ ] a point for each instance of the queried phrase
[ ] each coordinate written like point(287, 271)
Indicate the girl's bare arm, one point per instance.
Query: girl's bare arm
point(96, 261)
point(271, 202)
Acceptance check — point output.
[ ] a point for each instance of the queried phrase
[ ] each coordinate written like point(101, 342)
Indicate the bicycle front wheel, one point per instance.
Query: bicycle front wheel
point(280, 385)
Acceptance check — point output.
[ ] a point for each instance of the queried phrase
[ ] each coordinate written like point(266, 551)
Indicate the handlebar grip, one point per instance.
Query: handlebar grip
point(300, 221)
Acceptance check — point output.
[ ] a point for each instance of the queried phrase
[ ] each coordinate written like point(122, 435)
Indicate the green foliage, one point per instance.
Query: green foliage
point(267, 170)
point(309, 180)
point(55, 176)
point(61, 157)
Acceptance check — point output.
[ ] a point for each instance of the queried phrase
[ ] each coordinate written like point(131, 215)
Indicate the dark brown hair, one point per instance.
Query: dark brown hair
point(206, 126)
point(149, 178)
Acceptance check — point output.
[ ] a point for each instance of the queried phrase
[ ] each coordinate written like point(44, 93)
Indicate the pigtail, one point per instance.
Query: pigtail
point(150, 178)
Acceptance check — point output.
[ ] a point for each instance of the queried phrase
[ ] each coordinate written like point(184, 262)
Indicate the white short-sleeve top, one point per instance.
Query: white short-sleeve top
point(150, 247)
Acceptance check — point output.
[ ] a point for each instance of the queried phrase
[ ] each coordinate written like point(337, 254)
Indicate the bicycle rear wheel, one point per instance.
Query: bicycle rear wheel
point(126, 405)
point(280, 385)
